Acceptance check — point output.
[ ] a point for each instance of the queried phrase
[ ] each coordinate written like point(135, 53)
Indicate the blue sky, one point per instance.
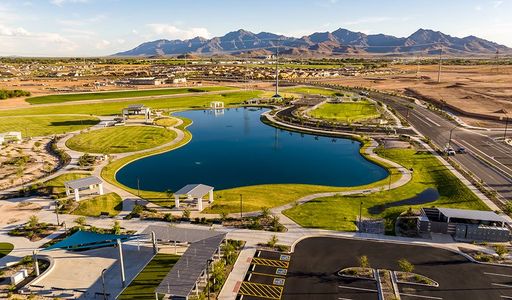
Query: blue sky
point(103, 27)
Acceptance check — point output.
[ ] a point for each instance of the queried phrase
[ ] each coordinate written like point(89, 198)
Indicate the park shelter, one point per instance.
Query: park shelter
point(87, 183)
point(194, 192)
point(191, 271)
point(217, 104)
point(137, 110)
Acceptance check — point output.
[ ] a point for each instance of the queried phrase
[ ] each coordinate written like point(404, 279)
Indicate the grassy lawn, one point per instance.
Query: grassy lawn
point(43, 125)
point(112, 108)
point(160, 198)
point(55, 186)
point(5, 249)
point(340, 213)
point(311, 91)
point(121, 94)
point(346, 112)
point(166, 122)
point(144, 285)
point(120, 139)
point(111, 203)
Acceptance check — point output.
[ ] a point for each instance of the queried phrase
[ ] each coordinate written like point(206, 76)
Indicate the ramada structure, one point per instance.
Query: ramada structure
point(190, 274)
point(194, 192)
point(137, 110)
point(87, 183)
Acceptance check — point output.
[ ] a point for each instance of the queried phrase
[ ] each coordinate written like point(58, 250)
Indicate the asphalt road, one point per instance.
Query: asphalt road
point(488, 157)
point(314, 265)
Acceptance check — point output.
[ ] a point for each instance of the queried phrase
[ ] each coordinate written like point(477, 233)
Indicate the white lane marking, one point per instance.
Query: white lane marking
point(340, 298)
point(420, 119)
point(419, 296)
point(356, 288)
point(506, 297)
point(497, 274)
point(501, 284)
point(432, 121)
point(495, 146)
point(490, 157)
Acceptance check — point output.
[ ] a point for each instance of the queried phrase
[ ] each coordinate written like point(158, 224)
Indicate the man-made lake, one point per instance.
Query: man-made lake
point(234, 148)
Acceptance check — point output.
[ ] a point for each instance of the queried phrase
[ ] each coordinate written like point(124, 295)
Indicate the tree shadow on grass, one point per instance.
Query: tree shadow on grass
point(75, 122)
point(427, 196)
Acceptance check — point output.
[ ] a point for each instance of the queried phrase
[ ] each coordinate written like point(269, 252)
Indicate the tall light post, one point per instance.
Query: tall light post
point(241, 208)
point(103, 283)
point(450, 139)
point(57, 211)
point(277, 71)
point(506, 127)
point(208, 261)
point(360, 215)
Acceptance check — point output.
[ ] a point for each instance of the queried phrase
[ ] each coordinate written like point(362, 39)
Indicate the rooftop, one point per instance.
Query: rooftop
point(471, 214)
point(194, 190)
point(83, 182)
point(182, 278)
point(167, 233)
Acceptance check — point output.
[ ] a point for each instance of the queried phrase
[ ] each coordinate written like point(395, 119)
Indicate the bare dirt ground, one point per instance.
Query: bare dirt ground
point(25, 162)
point(12, 212)
point(474, 89)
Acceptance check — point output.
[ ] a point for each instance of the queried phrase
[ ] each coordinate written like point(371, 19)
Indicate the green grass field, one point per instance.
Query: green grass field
point(346, 112)
point(340, 213)
point(166, 122)
point(311, 91)
point(120, 139)
point(144, 285)
point(46, 125)
point(114, 108)
point(110, 203)
point(56, 185)
point(121, 94)
point(5, 249)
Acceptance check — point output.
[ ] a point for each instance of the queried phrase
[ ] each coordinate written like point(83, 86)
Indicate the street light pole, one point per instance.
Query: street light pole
point(208, 277)
point(506, 127)
point(360, 214)
point(103, 283)
point(241, 208)
point(57, 212)
point(450, 139)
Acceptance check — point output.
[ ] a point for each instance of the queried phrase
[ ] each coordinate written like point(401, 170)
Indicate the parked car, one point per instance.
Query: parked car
point(461, 150)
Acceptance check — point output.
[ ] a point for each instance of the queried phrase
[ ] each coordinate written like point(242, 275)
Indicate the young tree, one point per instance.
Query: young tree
point(116, 228)
point(273, 241)
point(218, 274)
point(364, 262)
point(501, 250)
point(186, 214)
point(81, 221)
point(223, 216)
point(265, 212)
point(405, 265)
point(33, 221)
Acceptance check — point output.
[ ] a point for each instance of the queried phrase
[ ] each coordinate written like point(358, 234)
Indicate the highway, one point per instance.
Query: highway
point(488, 157)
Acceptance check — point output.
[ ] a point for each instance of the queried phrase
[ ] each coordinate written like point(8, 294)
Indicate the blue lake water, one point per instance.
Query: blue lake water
point(236, 149)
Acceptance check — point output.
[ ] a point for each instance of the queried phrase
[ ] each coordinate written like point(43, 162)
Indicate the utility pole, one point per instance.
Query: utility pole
point(277, 71)
point(103, 283)
point(440, 64)
point(57, 211)
point(497, 61)
point(450, 139)
point(360, 215)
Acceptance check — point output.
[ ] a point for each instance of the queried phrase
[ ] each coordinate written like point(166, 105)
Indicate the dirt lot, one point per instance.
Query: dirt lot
point(474, 89)
point(21, 163)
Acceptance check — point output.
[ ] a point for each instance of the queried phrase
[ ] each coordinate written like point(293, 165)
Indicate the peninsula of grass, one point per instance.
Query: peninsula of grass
point(115, 108)
point(110, 204)
point(5, 249)
point(121, 94)
point(160, 198)
point(346, 112)
point(143, 286)
point(32, 126)
point(120, 139)
point(341, 212)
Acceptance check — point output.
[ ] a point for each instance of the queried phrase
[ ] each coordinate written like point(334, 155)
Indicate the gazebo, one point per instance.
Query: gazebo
point(194, 192)
point(217, 105)
point(87, 183)
point(137, 109)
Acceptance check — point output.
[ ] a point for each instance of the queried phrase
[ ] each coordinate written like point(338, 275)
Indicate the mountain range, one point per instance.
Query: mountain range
point(338, 42)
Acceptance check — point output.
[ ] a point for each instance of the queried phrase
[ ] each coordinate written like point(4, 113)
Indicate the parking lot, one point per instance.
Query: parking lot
point(266, 276)
point(312, 272)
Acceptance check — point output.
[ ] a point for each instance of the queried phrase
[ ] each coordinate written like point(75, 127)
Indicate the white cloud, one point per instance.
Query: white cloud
point(13, 31)
point(497, 4)
point(62, 2)
point(173, 32)
point(103, 44)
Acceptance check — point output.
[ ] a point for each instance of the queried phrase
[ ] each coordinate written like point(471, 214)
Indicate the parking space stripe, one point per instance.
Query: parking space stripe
point(497, 274)
point(269, 275)
point(261, 290)
point(420, 296)
point(270, 262)
point(356, 288)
